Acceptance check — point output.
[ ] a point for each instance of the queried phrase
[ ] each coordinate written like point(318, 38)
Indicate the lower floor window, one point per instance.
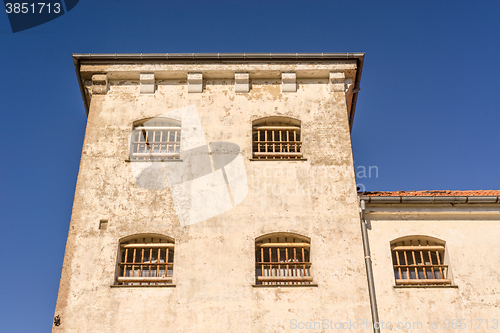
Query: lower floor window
point(146, 261)
point(419, 262)
point(282, 259)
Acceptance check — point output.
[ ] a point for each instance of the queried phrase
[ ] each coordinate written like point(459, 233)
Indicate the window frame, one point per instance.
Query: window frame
point(421, 263)
point(286, 139)
point(142, 149)
point(283, 250)
point(141, 256)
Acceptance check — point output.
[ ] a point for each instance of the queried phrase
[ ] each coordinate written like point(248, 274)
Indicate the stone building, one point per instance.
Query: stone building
point(217, 192)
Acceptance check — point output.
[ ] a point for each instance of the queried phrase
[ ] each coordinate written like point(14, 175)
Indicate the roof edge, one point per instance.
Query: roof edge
point(219, 56)
point(430, 199)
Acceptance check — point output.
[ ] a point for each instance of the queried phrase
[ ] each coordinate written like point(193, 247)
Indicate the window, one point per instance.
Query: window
point(146, 260)
point(419, 261)
point(276, 138)
point(282, 259)
point(157, 139)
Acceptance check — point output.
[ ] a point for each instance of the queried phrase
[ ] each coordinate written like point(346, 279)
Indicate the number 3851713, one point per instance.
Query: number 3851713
point(34, 8)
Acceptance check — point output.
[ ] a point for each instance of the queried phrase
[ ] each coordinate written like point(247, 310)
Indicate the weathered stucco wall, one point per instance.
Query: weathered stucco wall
point(214, 265)
point(471, 234)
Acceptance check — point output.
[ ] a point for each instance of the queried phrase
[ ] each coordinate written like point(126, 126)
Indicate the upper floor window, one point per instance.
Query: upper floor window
point(419, 261)
point(146, 260)
point(156, 139)
point(281, 259)
point(276, 138)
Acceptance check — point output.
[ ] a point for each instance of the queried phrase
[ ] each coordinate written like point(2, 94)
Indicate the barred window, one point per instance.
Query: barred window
point(276, 138)
point(419, 262)
point(282, 259)
point(156, 139)
point(146, 261)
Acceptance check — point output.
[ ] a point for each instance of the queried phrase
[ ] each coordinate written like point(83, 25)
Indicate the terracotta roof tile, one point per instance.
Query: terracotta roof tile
point(434, 193)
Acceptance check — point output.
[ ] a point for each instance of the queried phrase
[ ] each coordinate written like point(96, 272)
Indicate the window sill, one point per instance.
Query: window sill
point(279, 159)
point(144, 286)
point(283, 285)
point(413, 287)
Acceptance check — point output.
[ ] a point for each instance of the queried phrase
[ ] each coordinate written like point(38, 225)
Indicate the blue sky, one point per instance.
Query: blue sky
point(427, 113)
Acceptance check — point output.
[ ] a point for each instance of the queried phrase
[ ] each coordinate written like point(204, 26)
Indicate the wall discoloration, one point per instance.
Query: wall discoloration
point(468, 231)
point(214, 265)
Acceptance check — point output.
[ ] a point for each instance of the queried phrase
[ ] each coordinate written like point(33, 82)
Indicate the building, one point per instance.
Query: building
point(439, 244)
point(217, 192)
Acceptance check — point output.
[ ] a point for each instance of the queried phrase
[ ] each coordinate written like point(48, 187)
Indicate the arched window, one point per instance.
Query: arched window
point(419, 261)
point(156, 139)
point(276, 138)
point(146, 260)
point(281, 259)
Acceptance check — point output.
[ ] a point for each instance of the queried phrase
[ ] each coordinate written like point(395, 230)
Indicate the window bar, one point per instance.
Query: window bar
point(295, 141)
point(262, 260)
point(295, 258)
point(273, 143)
point(158, 264)
point(142, 262)
point(399, 265)
point(125, 266)
point(406, 264)
point(439, 263)
point(153, 142)
point(304, 263)
point(423, 263)
point(281, 143)
point(271, 265)
point(150, 260)
point(175, 139)
point(266, 144)
point(415, 263)
point(258, 141)
point(288, 141)
point(133, 262)
point(168, 142)
point(287, 262)
point(432, 267)
point(279, 265)
point(166, 261)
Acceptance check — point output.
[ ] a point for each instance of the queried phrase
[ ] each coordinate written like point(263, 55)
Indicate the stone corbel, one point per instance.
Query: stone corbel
point(195, 82)
point(147, 83)
point(241, 82)
point(100, 84)
point(337, 81)
point(288, 82)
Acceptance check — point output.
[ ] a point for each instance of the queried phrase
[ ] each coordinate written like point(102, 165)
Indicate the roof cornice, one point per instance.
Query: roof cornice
point(223, 57)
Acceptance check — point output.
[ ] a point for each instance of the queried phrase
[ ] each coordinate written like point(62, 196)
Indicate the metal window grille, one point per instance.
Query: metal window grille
point(156, 140)
point(282, 261)
point(419, 265)
point(276, 142)
point(144, 263)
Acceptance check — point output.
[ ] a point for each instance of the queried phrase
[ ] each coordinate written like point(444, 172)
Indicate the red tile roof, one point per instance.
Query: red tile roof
point(437, 193)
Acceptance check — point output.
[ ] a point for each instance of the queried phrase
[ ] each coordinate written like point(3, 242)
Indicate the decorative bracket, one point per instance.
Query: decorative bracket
point(288, 82)
point(147, 83)
point(339, 83)
point(100, 84)
point(241, 82)
point(195, 82)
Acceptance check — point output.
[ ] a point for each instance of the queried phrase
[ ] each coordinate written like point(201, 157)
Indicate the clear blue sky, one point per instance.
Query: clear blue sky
point(427, 113)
